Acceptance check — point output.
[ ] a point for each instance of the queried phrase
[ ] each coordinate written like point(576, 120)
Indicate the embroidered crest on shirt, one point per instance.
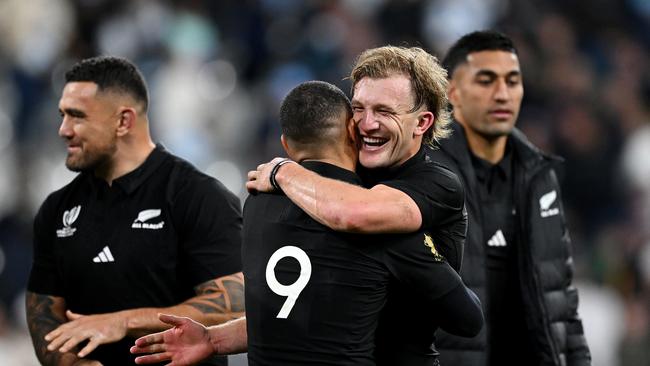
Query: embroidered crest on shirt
point(428, 241)
point(146, 215)
point(545, 203)
point(69, 217)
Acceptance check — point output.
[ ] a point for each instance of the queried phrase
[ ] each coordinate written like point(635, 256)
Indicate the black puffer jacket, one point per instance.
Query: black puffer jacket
point(549, 299)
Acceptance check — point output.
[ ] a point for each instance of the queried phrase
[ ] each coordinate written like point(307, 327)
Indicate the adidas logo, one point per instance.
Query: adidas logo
point(104, 256)
point(497, 240)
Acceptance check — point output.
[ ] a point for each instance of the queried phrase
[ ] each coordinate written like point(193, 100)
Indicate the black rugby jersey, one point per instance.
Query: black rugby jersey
point(508, 336)
point(407, 326)
point(145, 241)
point(313, 296)
point(439, 195)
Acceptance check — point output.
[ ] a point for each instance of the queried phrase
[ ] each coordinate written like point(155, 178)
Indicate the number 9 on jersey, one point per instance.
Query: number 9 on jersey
point(293, 290)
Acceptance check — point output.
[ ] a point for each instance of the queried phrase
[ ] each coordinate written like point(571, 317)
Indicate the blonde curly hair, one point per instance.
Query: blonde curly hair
point(428, 81)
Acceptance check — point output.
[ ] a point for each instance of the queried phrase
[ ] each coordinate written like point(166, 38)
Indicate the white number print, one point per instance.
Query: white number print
point(293, 290)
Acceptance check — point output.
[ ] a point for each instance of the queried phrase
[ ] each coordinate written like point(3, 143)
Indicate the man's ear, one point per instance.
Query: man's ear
point(285, 145)
point(126, 121)
point(452, 92)
point(353, 135)
point(425, 121)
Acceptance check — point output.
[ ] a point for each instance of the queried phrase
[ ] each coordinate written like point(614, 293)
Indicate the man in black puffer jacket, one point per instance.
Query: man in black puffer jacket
point(517, 254)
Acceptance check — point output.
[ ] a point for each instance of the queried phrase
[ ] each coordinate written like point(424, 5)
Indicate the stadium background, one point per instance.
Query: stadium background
point(217, 71)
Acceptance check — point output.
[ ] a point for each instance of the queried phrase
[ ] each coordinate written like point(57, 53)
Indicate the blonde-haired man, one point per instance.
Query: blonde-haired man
point(399, 104)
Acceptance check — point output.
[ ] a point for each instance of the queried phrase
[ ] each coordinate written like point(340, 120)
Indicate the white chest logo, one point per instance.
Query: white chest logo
point(104, 256)
point(69, 217)
point(146, 215)
point(497, 240)
point(545, 204)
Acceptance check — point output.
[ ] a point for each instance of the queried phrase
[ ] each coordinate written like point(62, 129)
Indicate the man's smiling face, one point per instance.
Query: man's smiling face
point(382, 111)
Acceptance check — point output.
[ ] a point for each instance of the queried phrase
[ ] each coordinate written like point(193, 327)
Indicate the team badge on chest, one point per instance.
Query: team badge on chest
point(141, 222)
point(428, 241)
point(69, 217)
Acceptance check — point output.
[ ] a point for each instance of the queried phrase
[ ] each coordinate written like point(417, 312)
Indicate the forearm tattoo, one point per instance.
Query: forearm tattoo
point(43, 316)
point(224, 295)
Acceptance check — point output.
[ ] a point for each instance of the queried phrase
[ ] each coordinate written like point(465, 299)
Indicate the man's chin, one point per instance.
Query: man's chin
point(495, 133)
point(371, 162)
point(75, 166)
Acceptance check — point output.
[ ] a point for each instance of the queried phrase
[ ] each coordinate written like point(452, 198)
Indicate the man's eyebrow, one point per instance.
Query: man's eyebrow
point(513, 73)
point(73, 112)
point(492, 74)
point(384, 106)
point(486, 72)
point(356, 103)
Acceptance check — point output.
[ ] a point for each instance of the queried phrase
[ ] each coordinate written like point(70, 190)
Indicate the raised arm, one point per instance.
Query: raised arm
point(44, 314)
point(189, 342)
point(338, 205)
point(216, 301)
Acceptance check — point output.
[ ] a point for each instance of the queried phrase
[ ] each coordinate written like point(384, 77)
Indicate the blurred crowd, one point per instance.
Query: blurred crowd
point(217, 71)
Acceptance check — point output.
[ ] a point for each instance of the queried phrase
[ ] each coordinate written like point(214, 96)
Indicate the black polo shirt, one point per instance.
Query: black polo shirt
point(145, 241)
point(313, 295)
point(495, 187)
point(507, 332)
point(438, 193)
point(407, 326)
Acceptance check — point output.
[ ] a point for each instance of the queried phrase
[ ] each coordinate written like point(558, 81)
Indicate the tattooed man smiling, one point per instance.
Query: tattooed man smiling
point(137, 232)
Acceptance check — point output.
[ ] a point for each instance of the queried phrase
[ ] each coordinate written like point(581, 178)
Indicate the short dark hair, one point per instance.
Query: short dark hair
point(311, 111)
point(111, 73)
point(487, 40)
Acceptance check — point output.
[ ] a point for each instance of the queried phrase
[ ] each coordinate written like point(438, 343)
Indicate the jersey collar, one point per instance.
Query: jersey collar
point(132, 180)
point(332, 171)
point(372, 177)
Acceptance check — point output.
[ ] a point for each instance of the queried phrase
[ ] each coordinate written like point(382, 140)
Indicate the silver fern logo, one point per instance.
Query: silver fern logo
point(545, 203)
point(146, 215)
point(69, 217)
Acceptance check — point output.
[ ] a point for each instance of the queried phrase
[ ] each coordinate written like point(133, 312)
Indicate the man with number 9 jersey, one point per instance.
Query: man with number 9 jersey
point(313, 295)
